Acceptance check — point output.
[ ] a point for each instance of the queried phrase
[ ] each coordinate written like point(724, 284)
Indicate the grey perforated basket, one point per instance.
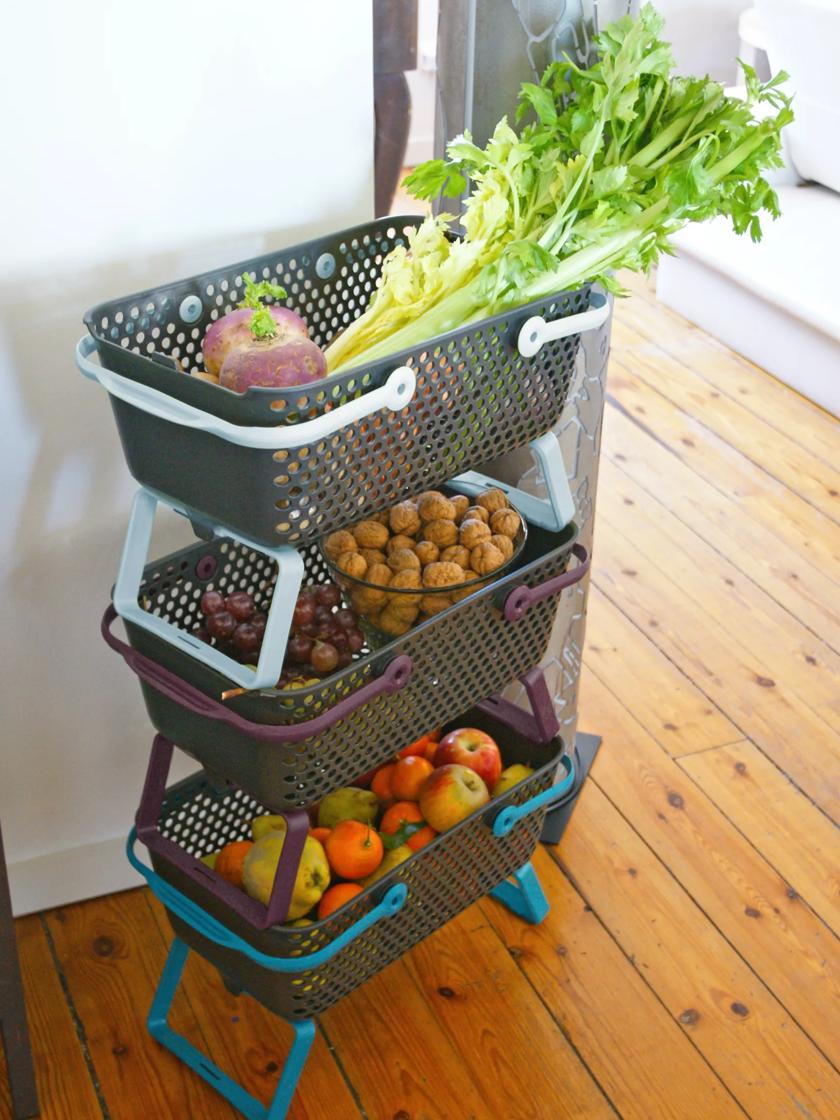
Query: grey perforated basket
point(443, 878)
point(289, 748)
point(476, 396)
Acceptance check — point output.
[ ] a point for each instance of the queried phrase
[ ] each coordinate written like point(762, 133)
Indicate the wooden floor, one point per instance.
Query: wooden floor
point(689, 966)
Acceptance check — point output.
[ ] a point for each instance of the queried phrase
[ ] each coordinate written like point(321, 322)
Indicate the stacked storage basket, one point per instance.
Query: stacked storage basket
point(262, 477)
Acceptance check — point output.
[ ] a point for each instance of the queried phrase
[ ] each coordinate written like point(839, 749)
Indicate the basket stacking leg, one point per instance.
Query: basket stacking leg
point(525, 897)
point(249, 1106)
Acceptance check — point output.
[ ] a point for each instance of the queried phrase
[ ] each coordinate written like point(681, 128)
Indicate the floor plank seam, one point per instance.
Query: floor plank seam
point(684, 888)
point(650, 382)
point(744, 734)
point(684, 325)
point(613, 402)
point(336, 1056)
point(728, 559)
point(78, 1025)
point(762, 855)
point(571, 1042)
point(714, 747)
point(556, 855)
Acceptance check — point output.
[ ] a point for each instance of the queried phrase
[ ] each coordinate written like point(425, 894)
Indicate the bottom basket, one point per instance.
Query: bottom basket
point(436, 883)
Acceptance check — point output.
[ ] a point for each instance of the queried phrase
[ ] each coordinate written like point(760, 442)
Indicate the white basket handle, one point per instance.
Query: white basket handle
point(553, 513)
point(536, 332)
point(395, 394)
point(278, 622)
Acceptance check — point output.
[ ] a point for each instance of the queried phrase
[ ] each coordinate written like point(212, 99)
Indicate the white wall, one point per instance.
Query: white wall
point(704, 35)
point(142, 144)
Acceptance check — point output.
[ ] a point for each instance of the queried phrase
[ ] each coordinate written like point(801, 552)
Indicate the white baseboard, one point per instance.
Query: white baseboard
point(795, 352)
point(59, 878)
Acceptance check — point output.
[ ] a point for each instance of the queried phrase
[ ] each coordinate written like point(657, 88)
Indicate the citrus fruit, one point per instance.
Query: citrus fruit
point(336, 896)
point(354, 849)
point(409, 775)
point(230, 860)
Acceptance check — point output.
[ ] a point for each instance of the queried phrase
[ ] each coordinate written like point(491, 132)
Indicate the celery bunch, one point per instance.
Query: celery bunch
point(615, 159)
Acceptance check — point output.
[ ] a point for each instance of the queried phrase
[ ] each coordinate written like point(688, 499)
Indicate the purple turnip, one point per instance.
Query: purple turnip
point(235, 328)
point(275, 362)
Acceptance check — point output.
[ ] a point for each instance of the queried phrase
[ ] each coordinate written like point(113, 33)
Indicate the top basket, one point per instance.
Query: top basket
point(286, 466)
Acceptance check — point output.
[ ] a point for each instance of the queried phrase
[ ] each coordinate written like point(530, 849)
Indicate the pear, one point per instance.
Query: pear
point(511, 777)
point(392, 859)
point(348, 804)
point(261, 826)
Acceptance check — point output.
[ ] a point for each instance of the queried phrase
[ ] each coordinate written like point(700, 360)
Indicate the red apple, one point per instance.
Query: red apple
point(468, 746)
point(450, 794)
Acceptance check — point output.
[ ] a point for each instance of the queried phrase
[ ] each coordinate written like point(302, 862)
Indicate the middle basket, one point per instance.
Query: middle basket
point(288, 748)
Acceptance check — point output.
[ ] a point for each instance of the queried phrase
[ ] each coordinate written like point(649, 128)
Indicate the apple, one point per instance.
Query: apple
point(511, 777)
point(468, 746)
point(450, 794)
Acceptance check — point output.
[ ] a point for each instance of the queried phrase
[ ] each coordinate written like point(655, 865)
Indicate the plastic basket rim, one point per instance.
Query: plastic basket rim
point(341, 379)
point(567, 537)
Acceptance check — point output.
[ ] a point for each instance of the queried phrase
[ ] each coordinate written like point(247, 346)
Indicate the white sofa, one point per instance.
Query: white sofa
point(777, 302)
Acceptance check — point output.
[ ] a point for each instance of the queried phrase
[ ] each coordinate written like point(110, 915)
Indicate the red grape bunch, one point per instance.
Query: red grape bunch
point(324, 636)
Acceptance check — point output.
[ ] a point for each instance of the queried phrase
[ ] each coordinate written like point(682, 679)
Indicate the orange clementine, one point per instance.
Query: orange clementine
point(381, 784)
point(431, 747)
point(409, 775)
point(354, 849)
point(400, 813)
point(418, 747)
point(407, 812)
point(336, 896)
point(320, 834)
point(230, 860)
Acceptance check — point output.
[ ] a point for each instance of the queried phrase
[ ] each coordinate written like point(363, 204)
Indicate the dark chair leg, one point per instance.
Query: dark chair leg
point(13, 1011)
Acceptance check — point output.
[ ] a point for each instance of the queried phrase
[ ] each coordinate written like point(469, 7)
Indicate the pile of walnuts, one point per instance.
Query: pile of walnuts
point(430, 543)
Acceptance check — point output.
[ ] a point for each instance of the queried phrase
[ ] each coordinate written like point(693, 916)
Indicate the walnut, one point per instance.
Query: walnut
point(434, 604)
point(473, 532)
point(486, 558)
point(407, 578)
point(403, 558)
point(461, 503)
point(506, 522)
point(339, 542)
point(469, 576)
point(427, 495)
point(435, 507)
point(442, 575)
point(398, 542)
point(383, 517)
point(380, 574)
point(504, 545)
point(395, 622)
point(404, 519)
point(478, 513)
point(406, 607)
point(427, 552)
point(441, 533)
point(353, 563)
point(370, 534)
point(373, 556)
point(492, 500)
point(456, 554)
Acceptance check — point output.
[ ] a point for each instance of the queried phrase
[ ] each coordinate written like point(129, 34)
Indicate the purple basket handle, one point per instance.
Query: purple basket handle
point(540, 724)
point(521, 598)
point(394, 677)
point(146, 820)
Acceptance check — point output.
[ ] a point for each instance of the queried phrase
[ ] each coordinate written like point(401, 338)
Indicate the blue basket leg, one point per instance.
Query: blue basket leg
point(249, 1106)
point(525, 897)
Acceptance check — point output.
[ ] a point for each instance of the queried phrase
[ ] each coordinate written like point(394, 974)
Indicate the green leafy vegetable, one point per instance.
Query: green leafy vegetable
point(262, 324)
point(613, 160)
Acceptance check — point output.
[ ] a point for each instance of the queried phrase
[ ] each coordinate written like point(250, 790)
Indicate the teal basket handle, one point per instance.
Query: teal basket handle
point(508, 817)
point(278, 623)
point(553, 513)
point(390, 904)
point(394, 395)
